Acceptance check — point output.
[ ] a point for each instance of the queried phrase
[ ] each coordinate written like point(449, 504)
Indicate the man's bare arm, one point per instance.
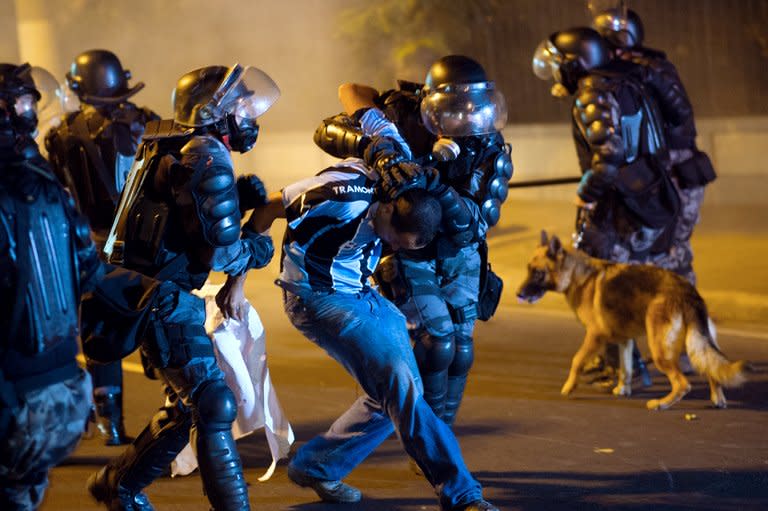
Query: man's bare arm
point(354, 96)
point(262, 217)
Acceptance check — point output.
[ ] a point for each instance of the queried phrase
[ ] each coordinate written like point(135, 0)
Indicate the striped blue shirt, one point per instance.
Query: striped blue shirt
point(330, 243)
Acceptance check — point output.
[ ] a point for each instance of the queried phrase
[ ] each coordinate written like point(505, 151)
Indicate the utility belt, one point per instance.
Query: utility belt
point(173, 345)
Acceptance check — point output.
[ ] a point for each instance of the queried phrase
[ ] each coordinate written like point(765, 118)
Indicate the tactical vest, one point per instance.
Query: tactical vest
point(92, 154)
point(40, 267)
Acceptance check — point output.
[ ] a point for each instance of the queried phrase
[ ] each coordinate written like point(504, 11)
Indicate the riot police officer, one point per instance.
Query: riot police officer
point(47, 259)
point(692, 170)
point(628, 204)
point(91, 152)
point(178, 219)
point(451, 122)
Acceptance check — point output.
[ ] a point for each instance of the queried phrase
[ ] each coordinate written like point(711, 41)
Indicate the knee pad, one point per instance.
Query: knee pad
point(464, 357)
point(215, 407)
point(433, 353)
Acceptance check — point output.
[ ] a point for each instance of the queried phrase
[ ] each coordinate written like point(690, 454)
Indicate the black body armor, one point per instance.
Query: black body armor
point(92, 151)
point(180, 204)
point(48, 260)
point(622, 150)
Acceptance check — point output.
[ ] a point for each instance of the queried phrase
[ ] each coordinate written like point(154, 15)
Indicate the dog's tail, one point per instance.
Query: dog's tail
point(707, 358)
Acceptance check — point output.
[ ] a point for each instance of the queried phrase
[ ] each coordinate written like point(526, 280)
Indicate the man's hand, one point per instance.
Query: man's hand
point(231, 298)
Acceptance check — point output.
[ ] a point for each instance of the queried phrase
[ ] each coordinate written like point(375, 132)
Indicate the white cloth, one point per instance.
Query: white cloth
point(241, 354)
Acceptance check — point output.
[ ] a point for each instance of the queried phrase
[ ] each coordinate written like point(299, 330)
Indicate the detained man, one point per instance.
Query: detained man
point(336, 224)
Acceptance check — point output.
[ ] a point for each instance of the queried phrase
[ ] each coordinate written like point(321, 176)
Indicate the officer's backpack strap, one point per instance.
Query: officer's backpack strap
point(88, 144)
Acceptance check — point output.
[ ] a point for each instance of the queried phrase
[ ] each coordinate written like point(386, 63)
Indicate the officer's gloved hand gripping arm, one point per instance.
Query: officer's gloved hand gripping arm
point(389, 155)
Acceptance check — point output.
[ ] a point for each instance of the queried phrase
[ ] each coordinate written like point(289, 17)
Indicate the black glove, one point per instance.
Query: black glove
point(396, 173)
point(251, 192)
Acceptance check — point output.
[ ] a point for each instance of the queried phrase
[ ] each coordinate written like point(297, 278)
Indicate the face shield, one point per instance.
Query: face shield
point(464, 109)
point(51, 105)
point(546, 63)
point(246, 93)
point(243, 96)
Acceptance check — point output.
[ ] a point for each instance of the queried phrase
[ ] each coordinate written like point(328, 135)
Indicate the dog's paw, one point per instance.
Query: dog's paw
point(654, 404)
point(622, 391)
point(721, 404)
point(567, 390)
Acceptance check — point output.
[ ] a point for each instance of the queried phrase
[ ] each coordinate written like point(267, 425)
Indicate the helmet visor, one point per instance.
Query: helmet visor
point(462, 110)
point(48, 87)
point(546, 60)
point(249, 93)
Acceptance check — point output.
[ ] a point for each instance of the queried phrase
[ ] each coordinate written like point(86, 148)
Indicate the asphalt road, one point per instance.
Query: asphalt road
point(528, 446)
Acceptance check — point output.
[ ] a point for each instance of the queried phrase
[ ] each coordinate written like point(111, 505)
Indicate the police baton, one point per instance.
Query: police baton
point(545, 182)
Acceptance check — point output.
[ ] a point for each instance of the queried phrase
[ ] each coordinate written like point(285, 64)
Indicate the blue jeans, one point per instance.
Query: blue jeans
point(367, 335)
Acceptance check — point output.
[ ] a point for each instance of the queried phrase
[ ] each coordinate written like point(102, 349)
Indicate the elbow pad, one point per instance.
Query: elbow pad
point(457, 217)
point(341, 137)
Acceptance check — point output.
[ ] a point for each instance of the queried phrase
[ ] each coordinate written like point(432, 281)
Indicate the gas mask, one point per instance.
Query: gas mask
point(242, 132)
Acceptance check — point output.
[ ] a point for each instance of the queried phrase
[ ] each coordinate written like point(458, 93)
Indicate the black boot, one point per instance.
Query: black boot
point(104, 489)
point(109, 410)
point(119, 485)
point(642, 368)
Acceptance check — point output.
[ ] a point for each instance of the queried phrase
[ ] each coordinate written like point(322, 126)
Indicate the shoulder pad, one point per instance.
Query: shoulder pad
point(204, 152)
point(594, 81)
point(590, 96)
point(592, 112)
point(598, 132)
point(204, 144)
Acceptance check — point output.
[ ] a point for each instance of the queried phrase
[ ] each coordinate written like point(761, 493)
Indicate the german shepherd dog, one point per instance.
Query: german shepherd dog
point(617, 302)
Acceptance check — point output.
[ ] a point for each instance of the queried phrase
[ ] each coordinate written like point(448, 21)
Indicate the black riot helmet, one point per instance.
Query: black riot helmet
point(567, 56)
point(16, 81)
point(18, 107)
point(98, 78)
point(227, 100)
point(460, 101)
point(622, 28)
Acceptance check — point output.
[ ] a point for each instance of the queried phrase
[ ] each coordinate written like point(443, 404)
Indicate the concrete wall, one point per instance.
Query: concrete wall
point(736, 146)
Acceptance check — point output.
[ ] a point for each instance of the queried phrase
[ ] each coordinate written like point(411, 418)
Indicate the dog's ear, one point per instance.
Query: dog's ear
point(555, 247)
point(544, 240)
